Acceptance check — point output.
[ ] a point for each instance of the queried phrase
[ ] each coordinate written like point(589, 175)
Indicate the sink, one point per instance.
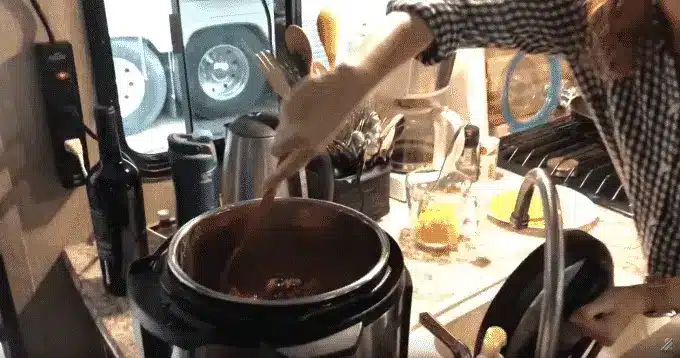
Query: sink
point(463, 319)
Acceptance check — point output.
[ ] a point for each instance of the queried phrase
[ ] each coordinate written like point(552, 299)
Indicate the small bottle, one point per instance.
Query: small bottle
point(114, 190)
point(468, 163)
point(166, 226)
point(488, 158)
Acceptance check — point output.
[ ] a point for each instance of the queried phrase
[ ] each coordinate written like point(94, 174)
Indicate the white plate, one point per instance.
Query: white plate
point(578, 212)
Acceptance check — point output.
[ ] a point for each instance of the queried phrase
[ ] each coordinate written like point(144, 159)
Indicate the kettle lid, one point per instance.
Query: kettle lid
point(254, 125)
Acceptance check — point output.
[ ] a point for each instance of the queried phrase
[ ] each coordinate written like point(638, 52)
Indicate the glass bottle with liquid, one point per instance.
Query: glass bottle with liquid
point(468, 163)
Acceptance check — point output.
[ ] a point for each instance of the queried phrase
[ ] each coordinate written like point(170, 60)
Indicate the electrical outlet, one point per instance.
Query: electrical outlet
point(59, 85)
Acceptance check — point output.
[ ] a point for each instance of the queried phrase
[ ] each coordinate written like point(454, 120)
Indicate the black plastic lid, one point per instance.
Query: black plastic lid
point(589, 271)
point(187, 144)
point(471, 135)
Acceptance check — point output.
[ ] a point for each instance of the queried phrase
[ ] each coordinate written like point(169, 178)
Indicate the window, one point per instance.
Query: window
point(184, 65)
point(176, 66)
point(355, 17)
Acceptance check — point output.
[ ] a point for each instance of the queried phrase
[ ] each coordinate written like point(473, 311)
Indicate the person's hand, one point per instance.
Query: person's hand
point(311, 115)
point(605, 318)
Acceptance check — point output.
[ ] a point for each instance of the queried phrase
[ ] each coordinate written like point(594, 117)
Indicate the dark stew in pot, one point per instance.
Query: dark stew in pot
point(286, 264)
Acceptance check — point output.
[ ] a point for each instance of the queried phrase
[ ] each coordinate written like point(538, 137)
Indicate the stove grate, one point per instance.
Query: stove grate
point(570, 149)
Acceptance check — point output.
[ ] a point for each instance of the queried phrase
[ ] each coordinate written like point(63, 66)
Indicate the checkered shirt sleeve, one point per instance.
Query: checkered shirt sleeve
point(533, 26)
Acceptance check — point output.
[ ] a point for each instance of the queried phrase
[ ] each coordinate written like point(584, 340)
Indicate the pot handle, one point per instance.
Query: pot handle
point(552, 97)
point(350, 340)
point(144, 292)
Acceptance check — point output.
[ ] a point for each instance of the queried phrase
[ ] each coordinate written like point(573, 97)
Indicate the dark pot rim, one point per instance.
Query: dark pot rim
point(377, 269)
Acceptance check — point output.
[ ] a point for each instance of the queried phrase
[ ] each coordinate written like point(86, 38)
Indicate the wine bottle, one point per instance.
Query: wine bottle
point(117, 206)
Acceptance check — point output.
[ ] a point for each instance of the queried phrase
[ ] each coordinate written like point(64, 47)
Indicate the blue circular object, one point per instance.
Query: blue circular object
point(552, 98)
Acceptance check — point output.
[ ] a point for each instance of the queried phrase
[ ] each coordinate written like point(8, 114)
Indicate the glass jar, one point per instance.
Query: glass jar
point(444, 219)
point(438, 208)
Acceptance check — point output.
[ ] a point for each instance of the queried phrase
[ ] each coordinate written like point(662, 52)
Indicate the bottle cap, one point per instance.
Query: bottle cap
point(471, 135)
point(163, 215)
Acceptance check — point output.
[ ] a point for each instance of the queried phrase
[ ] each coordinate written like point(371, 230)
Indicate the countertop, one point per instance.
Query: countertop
point(442, 284)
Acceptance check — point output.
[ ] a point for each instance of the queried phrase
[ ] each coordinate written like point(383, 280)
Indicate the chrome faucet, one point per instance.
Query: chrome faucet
point(553, 262)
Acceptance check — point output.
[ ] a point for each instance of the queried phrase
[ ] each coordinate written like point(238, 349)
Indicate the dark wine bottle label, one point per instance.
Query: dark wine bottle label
point(102, 236)
point(110, 255)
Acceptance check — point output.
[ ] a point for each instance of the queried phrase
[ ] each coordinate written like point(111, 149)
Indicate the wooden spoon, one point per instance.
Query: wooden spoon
point(298, 42)
point(252, 234)
point(239, 259)
point(327, 26)
point(254, 222)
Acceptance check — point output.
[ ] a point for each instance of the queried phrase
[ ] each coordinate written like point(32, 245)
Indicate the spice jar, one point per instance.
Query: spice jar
point(488, 159)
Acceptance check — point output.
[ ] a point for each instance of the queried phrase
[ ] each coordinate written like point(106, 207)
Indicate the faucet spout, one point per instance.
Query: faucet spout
point(553, 262)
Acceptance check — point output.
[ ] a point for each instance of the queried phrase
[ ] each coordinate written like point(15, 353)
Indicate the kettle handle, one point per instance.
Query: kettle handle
point(324, 167)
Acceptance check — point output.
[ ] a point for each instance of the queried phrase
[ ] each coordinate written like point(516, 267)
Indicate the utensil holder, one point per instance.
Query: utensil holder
point(375, 185)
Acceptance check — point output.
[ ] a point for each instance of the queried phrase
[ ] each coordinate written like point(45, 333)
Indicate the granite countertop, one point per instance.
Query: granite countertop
point(440, 282)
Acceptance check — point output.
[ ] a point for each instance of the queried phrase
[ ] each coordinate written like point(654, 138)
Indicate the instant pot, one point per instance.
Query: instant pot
point(360, 306)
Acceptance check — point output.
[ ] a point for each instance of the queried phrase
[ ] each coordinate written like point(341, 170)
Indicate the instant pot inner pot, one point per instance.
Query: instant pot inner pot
point(307, 248)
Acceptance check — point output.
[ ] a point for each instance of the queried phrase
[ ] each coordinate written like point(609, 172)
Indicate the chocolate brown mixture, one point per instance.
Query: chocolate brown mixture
point(286, 263)
point(281, 288)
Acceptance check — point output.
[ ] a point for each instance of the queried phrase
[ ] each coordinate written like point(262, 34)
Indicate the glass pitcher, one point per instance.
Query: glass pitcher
point(427, 140)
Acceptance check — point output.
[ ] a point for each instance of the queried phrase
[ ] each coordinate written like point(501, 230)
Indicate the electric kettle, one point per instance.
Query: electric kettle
point(248, 162)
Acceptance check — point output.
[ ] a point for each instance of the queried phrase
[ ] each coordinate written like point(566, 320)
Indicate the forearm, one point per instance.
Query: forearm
point(398, 39)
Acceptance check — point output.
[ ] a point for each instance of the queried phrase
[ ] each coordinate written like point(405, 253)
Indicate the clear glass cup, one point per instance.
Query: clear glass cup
point(443, 221)
point(436, 207)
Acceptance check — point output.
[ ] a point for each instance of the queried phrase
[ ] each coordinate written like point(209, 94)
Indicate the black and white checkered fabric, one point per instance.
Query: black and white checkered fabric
point(638, 117)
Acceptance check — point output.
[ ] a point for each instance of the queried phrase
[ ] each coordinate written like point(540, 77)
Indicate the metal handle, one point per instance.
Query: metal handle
point(326, 176)
point(552, 98)
point(458, 349)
